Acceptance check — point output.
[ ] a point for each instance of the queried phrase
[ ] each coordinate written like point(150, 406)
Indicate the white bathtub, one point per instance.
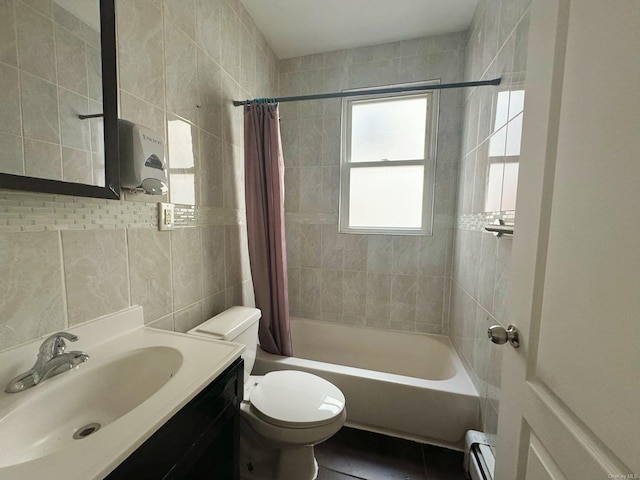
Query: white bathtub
point(406, 385)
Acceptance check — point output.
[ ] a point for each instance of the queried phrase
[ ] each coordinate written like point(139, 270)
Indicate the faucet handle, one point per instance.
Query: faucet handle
point(55, 345)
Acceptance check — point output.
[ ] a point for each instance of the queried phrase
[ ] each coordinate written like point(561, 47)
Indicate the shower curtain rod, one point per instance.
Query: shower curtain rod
point(358, 93)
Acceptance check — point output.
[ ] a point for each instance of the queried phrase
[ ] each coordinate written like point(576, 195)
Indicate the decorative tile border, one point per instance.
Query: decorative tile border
point(27, 212)
point(477, 221)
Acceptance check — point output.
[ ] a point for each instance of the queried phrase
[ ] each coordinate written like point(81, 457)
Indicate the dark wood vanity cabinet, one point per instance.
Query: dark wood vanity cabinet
point(201, 441)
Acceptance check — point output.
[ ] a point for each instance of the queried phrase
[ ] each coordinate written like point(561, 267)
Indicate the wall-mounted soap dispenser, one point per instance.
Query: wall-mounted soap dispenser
point(142, 159)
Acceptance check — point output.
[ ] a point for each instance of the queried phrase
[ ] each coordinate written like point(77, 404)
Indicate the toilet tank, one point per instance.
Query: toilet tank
point(237, 324)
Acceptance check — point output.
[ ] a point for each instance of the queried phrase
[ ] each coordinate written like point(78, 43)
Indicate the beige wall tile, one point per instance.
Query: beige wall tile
point(213, 259)
point(39, 109)
point(12, 158)
point(209, 27)
point(71, 58)
point(33, 294)
point(8, 45)
point(188, 318)
point(186, 261)
point(183, 14)
point(140, 48)
point(10, 100)
point(95, 271)
point(42, 160)
point(36, 45)
point(181, 69)
point(77, 166)
point(150, 272)
point(75, 133)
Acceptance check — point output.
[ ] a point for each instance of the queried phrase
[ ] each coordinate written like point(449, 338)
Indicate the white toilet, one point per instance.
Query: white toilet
point(284, 413)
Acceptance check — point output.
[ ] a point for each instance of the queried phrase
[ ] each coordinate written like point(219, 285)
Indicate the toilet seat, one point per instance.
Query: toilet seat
point(295, 399)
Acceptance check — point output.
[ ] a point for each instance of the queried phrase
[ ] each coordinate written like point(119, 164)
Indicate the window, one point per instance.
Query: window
point(388, 163)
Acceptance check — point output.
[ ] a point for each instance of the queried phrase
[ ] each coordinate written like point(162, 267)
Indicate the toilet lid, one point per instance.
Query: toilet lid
point(296, 399)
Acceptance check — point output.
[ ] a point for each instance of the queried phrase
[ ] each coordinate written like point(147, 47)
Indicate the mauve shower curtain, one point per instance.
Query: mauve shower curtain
point(264, 192)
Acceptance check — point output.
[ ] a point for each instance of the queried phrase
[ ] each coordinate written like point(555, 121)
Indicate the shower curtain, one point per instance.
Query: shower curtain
point(264, 193)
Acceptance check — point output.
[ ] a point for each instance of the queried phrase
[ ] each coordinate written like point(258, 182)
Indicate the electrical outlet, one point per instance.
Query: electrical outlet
point(165, 216)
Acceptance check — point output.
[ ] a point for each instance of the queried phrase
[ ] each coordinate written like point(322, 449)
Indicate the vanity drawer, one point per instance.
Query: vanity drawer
point(185, 446)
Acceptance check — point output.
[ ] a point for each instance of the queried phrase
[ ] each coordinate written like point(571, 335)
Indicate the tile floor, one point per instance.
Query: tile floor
point(358, 455)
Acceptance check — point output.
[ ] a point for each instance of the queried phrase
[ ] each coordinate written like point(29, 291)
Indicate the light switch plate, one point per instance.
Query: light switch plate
point(166, 216)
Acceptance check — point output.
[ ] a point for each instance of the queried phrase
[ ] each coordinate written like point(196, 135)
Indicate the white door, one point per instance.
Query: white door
point(570, 404)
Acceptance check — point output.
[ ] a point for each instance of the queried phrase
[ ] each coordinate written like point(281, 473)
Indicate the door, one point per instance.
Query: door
point(570, 406)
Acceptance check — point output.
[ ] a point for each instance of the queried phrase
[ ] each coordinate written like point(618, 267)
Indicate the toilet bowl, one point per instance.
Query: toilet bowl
point(284, 413)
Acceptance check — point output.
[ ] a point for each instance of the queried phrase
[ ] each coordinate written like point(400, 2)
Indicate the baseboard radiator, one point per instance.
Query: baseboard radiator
point(479, 462)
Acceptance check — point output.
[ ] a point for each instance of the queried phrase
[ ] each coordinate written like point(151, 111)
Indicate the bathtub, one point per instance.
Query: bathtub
point(410, 386)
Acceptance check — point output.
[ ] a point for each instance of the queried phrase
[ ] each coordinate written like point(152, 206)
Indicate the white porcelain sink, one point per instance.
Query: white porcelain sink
point(135, 380)
point(87, 397)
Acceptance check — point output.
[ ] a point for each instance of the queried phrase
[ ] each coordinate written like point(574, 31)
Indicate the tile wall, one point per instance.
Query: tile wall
point(487, 184)
point(382, 281)
point(49, 74)
point(66, 260)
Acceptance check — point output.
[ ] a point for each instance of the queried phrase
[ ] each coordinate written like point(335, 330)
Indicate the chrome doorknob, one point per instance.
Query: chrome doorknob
point(498, 335)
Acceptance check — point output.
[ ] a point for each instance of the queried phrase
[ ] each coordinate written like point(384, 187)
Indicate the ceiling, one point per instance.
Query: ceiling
point(302, 27)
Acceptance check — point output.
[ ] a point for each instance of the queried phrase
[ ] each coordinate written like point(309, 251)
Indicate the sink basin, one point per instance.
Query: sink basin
point(82, 402)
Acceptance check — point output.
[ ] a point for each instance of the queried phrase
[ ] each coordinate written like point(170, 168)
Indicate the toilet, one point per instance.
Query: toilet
point(284, 413)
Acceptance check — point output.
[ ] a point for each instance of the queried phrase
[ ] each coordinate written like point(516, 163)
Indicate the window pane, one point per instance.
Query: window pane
point(386, 197)
point(388, 130)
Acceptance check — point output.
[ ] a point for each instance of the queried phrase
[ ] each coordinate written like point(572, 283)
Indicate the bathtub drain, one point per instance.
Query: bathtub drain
point(85, 431)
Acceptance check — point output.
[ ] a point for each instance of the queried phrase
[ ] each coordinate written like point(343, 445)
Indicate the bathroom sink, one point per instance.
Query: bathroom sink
point(80, 404)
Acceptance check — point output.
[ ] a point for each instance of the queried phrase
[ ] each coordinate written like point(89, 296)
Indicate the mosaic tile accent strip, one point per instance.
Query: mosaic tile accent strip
point(26, 212)
point(477, 221)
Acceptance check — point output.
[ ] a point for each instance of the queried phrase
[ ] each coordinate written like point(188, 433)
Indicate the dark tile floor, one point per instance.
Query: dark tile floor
point(356, 454)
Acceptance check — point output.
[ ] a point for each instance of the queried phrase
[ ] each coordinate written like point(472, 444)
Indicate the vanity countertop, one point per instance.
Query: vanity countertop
point(43, 445)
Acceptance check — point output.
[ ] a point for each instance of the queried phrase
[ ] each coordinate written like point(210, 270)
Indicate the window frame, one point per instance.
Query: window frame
point(428, 162)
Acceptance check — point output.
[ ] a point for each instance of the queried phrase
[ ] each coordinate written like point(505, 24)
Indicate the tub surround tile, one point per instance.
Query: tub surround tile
point(379, 254)
point(310, 286)
point(430, 297)
point(332, 248)
point(378, 301)
point(95, 271)
point(332, 293)
point(403, 300)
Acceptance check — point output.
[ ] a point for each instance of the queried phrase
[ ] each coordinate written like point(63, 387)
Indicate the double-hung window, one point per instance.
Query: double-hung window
point(388, 163)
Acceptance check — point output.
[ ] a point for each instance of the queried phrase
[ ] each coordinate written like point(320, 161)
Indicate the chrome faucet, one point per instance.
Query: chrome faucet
point(52, 360)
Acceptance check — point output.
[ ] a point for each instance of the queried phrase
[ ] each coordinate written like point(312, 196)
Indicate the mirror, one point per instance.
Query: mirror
point(58, 65)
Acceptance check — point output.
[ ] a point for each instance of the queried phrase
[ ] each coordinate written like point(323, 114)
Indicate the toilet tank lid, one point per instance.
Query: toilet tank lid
point(230, 323)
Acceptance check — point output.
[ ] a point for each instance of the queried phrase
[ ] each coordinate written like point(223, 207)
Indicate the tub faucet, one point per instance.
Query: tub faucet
point(52, 360)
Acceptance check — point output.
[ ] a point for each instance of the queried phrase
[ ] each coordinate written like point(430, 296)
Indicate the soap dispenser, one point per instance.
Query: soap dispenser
point(142, 159)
